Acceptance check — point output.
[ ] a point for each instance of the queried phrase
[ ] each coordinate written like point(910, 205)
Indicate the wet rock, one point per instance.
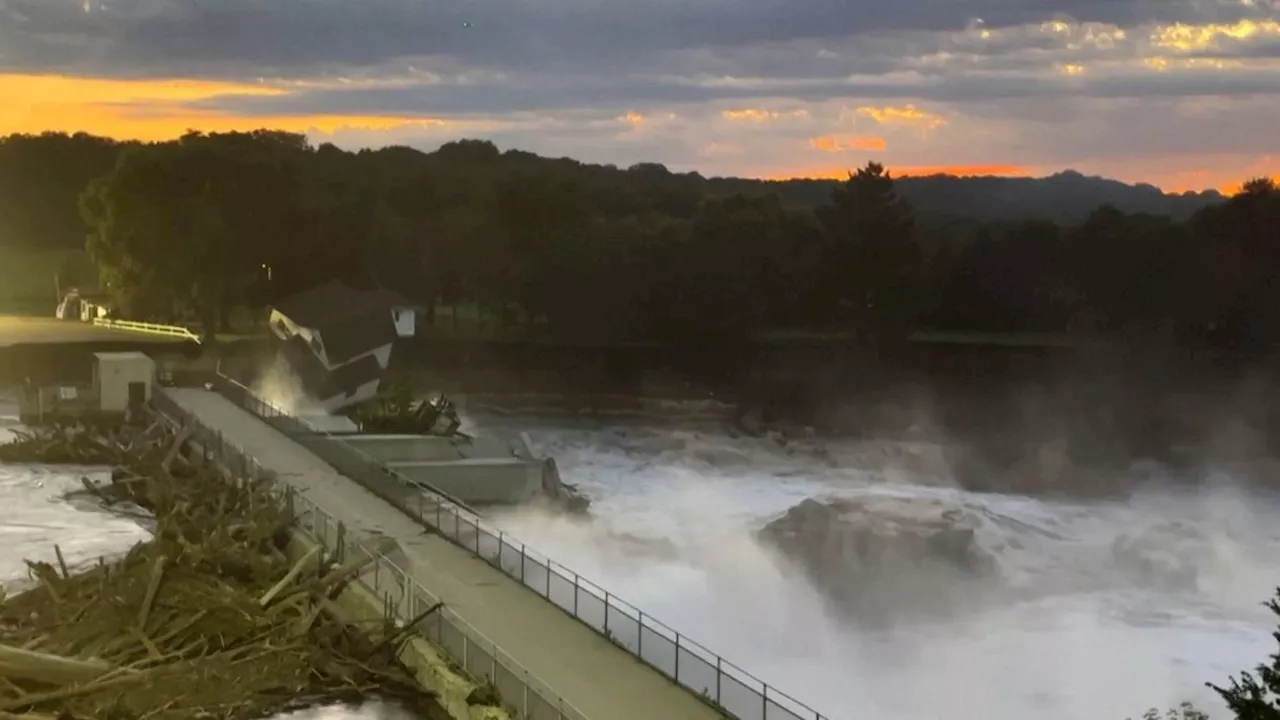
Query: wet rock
point(880, 557)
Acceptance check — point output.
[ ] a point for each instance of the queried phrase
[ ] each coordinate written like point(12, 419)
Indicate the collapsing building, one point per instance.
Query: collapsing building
point(337, 341)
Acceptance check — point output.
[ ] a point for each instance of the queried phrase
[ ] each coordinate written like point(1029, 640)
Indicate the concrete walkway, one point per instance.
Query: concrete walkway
point(601, 680)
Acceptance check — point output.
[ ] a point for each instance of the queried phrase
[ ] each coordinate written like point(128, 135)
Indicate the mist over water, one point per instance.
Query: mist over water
point(1071, 633)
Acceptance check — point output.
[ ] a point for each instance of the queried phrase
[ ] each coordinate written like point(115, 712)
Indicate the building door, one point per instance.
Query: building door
point(137, 394)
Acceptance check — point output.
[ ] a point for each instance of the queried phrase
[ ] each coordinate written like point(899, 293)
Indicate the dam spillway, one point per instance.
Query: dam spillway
point(567, 657)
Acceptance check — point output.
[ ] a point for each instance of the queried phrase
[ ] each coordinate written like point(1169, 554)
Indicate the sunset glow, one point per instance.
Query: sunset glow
point(772, 137)
point(151, 110)
point(834, 143)
point(840, 173)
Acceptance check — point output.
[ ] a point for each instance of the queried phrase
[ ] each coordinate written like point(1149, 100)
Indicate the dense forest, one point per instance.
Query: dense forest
point(196, 227)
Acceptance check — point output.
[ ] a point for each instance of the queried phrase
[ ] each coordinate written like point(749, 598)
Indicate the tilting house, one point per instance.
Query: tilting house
point(337, 341)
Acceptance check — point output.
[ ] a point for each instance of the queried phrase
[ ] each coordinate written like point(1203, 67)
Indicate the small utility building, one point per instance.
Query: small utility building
point(122, 379)
point(338, 340)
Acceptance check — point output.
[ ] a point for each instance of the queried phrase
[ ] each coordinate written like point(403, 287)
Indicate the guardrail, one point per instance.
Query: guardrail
point(146, 327)
point(724, 685)
point(403, 598)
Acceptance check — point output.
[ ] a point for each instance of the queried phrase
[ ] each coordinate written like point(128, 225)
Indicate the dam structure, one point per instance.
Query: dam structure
point(336, 344)
point(552, 644)
point(581, 651)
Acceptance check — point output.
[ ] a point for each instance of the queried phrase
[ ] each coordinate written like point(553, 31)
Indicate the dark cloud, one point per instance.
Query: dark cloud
point(292, 37)
point(1261, 49)
point(548, 94)
point(1055, 82)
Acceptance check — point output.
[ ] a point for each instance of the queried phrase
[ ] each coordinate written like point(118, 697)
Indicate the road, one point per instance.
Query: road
point(601, 680)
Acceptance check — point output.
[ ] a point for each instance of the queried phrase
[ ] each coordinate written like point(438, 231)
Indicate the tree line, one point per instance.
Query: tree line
point(198, 226)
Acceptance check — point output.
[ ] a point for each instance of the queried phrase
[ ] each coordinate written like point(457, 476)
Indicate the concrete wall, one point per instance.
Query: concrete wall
point(480, 481)
point(432, 668)
point(325, 422)
point(484, 471)
point(391, 448)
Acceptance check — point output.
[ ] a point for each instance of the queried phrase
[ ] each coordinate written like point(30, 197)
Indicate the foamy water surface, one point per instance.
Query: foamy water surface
point(1077, 638)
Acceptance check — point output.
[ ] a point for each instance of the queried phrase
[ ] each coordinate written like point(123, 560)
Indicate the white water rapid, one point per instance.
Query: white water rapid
point(1078, 638)
point(674, 516)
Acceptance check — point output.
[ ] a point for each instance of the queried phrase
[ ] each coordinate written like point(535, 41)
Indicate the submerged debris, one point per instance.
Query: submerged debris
point(206, 620)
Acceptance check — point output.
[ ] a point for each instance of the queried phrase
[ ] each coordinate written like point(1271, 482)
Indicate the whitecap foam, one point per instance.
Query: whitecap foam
point(1083, 638)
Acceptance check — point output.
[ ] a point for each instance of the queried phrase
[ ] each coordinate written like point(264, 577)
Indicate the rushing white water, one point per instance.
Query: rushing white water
point(1079, 636)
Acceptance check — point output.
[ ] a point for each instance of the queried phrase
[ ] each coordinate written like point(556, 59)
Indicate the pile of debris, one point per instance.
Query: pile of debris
point(206, 620)
point(397, 410)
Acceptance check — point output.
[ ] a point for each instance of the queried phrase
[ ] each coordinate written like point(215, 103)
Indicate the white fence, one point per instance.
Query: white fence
point(146, 327)
point(403, 598)
point(724, 685)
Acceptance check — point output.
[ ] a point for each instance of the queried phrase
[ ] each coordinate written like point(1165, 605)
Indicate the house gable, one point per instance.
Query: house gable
point(336, 340)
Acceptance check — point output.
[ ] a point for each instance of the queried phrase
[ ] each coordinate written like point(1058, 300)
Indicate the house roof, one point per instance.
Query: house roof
point(390, 298)
point(356, 334)
point(349, 322)
point(312, 308)
point(319, 380)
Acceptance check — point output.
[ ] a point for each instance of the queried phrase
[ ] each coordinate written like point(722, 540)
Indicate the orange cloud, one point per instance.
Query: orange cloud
point(636, 120)
point(632, 118)
point(754, 115)
point(832, 143)
point(155, 109)
point(1187, 38)
point(905, 115)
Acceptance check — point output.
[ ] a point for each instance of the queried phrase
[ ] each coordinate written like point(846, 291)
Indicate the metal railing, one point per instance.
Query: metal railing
point(403, 598)
point(146, 327)
point(724, 685)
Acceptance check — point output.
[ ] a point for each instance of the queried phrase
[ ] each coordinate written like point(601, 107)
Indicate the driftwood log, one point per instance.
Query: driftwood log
point(206, 620)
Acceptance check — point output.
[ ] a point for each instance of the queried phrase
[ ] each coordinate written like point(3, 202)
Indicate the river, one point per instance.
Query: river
point(674, 515)
point(1080, 638)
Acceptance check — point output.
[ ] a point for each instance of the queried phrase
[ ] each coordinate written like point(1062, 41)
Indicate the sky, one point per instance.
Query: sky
point(1183, 94)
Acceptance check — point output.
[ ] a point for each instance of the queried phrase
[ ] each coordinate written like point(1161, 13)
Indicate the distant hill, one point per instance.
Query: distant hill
point(1065, 197)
